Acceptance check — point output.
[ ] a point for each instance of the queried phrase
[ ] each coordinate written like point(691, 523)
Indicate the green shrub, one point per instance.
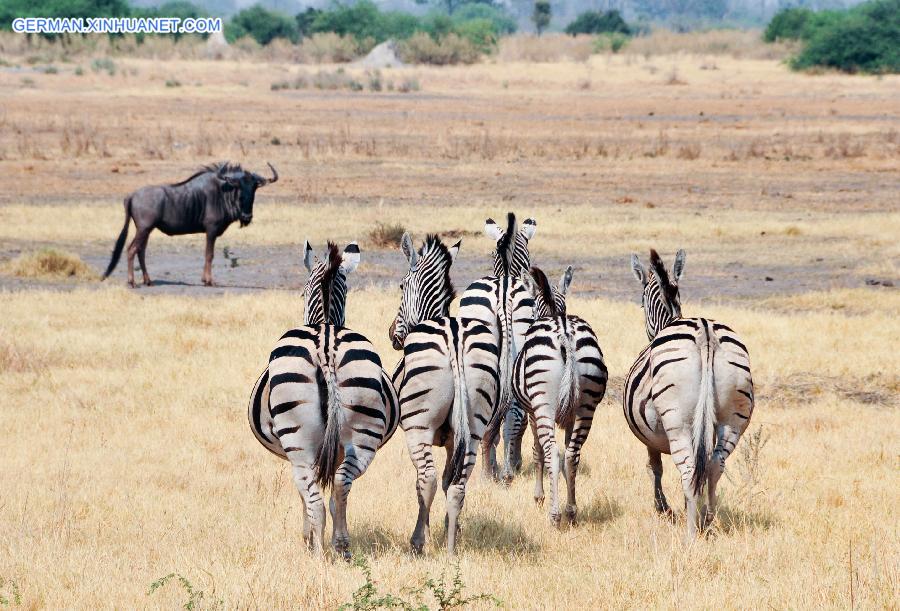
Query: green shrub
point(864, 39)
point(613, 41)
point(787, 24)
point(597, 22)
point(501, 21)
point(262, 25)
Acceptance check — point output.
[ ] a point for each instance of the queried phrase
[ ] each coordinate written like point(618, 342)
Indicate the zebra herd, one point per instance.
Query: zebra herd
point(512, 356)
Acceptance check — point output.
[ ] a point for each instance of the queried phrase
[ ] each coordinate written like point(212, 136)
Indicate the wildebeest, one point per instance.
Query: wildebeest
point(207, 202)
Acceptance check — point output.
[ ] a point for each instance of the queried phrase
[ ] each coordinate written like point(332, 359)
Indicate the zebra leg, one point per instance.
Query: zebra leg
point(682, 453)
point(356, 461)
point(537, 454)
point(655, 467)
point(314, 506)
point(728, 437)
point(490, 471)
point(456, 496)
point(576, 435)
point(426, 486)
point(513, 430)
point(545, 430)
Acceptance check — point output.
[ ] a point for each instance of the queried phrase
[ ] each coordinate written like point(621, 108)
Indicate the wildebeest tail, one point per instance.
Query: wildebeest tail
point(703, 434)
point(120, 243)
point(327, 460)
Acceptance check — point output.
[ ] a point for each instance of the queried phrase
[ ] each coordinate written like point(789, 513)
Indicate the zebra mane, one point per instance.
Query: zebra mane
point(546, 293)
point(215, 168)
point(331, 270)
point(506, 246)
point(434, 248)
point(662, 277)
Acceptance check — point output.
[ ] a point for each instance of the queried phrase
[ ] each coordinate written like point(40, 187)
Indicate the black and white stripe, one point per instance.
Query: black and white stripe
point(448, 381)
point(559, 378)
point(688, 394)
point(324, 403)
point(503, 298)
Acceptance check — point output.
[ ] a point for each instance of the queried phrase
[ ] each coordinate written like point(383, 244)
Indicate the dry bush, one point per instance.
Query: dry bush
point(844, 148)
point(329, 48)
point(674, 79)
point(451, 49)
point(552, 47)
point(50, 263)
point(385, 235)
point(689, 151)
point(736, 43)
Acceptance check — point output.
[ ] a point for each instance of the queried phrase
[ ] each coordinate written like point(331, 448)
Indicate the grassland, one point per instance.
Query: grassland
point(126, 453)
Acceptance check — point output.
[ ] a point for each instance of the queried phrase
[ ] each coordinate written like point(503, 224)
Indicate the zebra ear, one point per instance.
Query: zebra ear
point(406, 245)
point(351, 257)
point(528, 228)
point(638, 270)
point(528, 282)
point(308, 256)
point(454, 250)
point(565, 281)
point(678, 267)
point(492, 230)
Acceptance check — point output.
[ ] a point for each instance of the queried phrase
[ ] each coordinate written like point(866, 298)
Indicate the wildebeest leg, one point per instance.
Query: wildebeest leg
point(139, 242)
point(142, 257)
point(210, 251)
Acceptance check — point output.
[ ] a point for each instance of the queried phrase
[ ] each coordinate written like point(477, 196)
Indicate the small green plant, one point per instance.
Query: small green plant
point(611, 41)
point(446, 595)
point(104, 64)
point(27, 82)
point(79, 71)
point(172, 83)
point(51, 69)
point(229, 254)
point(11, 596)
point(408, 85)
point(375, 83)
point(196, 598)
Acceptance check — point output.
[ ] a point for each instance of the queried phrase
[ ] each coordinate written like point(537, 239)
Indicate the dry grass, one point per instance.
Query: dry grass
point(160, 449)
point(735, 43)
point(126, 453)
point(547, 48)
point(49, 263)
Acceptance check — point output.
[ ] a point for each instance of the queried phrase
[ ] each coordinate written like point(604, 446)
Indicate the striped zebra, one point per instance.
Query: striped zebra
point(449, 382)
point(688, 394)
point(502, 297)
point(559, 378)
point(324, 403)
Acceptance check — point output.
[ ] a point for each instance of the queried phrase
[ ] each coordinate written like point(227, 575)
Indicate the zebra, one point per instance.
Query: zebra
point(324, 403)
point(688, 394)
point(559, 378)
point(449, 381)
point(502, 297)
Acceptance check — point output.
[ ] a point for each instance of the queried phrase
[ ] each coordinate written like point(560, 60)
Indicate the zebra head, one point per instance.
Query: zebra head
point(326, 288)
point(660, 300)
point(511, 257)
point(427, 290)
point(549, 301)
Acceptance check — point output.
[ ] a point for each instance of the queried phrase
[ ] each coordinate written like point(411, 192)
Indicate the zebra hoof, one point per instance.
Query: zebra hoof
point(539, 501)
point(417, 548)
point(571, 513)
point(556, 519)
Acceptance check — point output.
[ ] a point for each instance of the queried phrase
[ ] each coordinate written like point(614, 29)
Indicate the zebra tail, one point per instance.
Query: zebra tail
point(569, 390)
point(704, 427)
point(327, 460)
point(460, 417)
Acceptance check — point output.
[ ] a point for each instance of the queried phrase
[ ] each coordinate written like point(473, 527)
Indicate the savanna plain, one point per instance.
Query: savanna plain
point(125, 453)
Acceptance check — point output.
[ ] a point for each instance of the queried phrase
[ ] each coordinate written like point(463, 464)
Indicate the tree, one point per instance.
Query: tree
point(541, 15)
point(598, 22)
point(263, 25)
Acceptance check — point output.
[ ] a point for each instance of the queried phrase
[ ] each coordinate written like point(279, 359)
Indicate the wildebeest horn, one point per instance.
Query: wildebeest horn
point(268, 181)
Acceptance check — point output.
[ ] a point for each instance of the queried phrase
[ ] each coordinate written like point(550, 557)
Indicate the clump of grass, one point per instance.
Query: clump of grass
point(749, 474)
point(384, 235)
point(79, 71)
point(408, 85)
point(51, 69)
point(689, 151)
point(674, 79)
point(51, 264)
point(195, 597)
point(27, 82)
point(104, 64)
point(173, 83)
point(445, 595)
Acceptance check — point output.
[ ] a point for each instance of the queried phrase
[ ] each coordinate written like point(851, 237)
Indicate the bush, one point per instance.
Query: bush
point(501, 21)
point(613, 42)
point(787, 24)
point(597, 22)
point(330, 47)
point(364, 20)
point(262, 25)
point(451, 49)
point(863, 39)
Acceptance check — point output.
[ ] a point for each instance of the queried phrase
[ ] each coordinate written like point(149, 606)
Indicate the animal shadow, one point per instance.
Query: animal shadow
point(486, 534)
point(372, 540)
point(732, 520)
point(599, 511)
